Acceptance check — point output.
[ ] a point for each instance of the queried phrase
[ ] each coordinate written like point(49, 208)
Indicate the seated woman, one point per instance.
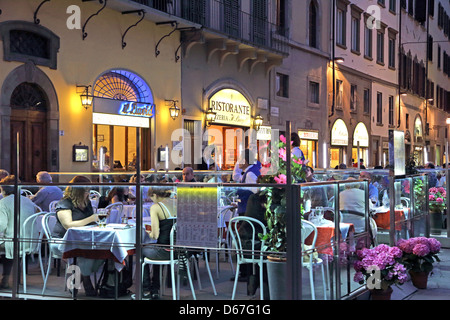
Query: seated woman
point(115, 195)
point(163, 215)
point(75, 210)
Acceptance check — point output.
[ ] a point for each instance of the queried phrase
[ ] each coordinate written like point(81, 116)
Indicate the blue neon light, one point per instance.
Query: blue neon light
point(137, 109)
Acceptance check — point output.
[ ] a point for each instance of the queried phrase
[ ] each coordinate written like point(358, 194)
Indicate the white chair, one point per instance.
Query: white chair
point(94, 197)
point(171, 262)
point(52, 206)
point(94, 194)
point(26, 192)
point(38, 209)
point(47, 220)
point(31, 235)
point(118, 217)
point(405, 202)
point(225, 215)
point(195, 260)
point(307, 229)
point(242, 254)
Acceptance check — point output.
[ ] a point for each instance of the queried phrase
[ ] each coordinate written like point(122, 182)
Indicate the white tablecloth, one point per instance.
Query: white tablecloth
point(114, 237)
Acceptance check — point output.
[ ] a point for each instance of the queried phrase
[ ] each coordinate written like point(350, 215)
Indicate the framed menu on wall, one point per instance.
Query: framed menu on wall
point(197, 215)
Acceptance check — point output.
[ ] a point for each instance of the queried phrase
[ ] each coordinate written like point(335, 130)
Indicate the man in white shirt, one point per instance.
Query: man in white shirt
point(352, 204)
point(3, 174)
point(246, 173)
point(7, 224)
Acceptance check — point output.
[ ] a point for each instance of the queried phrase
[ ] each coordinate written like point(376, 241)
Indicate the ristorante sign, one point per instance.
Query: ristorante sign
point(231, 108)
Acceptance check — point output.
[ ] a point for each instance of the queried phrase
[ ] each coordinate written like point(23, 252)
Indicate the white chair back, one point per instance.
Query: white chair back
point(52, 206)
point(48, 222)
point(26, 192)
point(31, 233)
point(115, 210)
point(242, 252)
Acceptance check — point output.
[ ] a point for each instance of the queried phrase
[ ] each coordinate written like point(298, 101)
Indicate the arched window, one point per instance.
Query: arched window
point(28, 96)
point(313, 24)
point(122, 85)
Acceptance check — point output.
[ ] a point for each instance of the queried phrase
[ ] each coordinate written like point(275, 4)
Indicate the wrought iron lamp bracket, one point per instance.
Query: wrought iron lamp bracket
point(36, 20)
point(84, 25)
point(174, 25)
point(140, 12)
point(183, 41)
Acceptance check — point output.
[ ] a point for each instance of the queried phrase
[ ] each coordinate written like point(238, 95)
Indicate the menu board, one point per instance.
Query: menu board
point(197, 216)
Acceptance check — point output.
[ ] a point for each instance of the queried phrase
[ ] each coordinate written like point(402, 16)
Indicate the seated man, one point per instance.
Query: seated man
point(317, 195)
point(46, 194)
point(352, 205)
point(373, 191)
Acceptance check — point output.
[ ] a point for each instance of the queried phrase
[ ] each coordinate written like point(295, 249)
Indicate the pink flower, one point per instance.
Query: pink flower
point(298, 161)
point(282, 153)
point(421, 250)
point(283, 139)
point(431, 197)
point(281, 179)
point(439, 200)
point(435, 245)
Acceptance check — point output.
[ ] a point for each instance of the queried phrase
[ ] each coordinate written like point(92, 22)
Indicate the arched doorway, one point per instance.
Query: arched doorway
point(29, 104)
point(28, 126)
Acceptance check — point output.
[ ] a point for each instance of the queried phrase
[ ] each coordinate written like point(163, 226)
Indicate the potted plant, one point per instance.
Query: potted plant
point(436, 201)
point(418, 255)
point(275, 239)
point(380, 268)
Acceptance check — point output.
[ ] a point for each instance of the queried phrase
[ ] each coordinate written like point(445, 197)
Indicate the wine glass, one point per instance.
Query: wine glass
point(102, 215)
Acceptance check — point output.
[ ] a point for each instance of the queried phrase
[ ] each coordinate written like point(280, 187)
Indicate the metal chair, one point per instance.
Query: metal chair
point(171, 262)
point(115, 206)
point(52, 206)
point(26, 192)
point(31, 235)
point(223, 234)
point(242, 253)
point(53, 244)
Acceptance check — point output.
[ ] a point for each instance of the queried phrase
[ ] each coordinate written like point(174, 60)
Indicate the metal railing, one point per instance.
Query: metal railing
point(224, 16)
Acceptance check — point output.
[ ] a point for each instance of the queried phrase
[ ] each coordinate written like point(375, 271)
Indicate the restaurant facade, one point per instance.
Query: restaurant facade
point(56, 52)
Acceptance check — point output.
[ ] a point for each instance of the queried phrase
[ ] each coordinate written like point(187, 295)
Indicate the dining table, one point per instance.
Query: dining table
point(114, 241)
point(382, 217)
point(325, 235)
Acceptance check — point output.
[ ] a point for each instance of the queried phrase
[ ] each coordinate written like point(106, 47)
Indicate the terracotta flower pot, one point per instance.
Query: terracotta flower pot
point(419, 279)
point(380, 294)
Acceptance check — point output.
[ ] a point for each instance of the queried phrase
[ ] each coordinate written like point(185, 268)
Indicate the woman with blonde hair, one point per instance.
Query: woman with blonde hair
point(75, 210)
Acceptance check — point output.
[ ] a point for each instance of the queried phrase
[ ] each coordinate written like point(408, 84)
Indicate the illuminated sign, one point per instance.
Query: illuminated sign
point(137, 109)
point(361, 135)
point(264, 133)
point(231, 108)
point(120, 120)
point(308, 135)
point(339, 133)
